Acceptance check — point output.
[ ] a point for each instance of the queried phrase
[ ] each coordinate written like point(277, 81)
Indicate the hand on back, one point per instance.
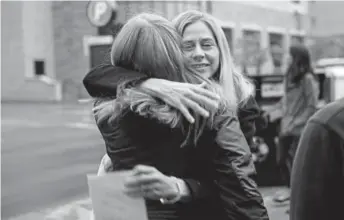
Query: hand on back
point(184, 96)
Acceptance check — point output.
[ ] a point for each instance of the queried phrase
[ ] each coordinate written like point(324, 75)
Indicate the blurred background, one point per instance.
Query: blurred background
point(49, 140)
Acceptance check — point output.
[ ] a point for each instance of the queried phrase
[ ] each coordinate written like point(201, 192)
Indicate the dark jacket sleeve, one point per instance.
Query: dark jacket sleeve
point(103, 80)
point(314, 179)
point(235, 171)
point(120, 154)
point(249, 114)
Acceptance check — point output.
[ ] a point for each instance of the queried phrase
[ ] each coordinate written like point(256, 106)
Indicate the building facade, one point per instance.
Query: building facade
point(326, 29)
point(48, 46)
point(260, 32)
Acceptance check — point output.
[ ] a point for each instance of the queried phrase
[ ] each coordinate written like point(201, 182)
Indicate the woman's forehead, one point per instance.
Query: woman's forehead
point(196, 31)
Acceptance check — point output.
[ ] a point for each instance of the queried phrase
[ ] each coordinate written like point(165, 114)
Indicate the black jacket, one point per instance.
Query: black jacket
point(317, 181)
point(102, 81)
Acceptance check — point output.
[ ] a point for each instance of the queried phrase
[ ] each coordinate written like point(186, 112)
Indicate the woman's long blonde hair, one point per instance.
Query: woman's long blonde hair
point(235, 86)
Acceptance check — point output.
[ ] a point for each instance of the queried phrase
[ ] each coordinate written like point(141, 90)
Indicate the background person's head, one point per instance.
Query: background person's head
point(300, 62)
point(205, 46)
point(149, 43)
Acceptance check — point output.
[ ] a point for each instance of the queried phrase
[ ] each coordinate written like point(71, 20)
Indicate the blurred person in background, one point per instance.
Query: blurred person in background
point(297, 105)
point(141, 130)
point(317, 178)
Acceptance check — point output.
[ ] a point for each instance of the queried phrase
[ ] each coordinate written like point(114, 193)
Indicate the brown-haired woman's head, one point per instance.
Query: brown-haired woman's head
point(300, 62)
point(149, 43)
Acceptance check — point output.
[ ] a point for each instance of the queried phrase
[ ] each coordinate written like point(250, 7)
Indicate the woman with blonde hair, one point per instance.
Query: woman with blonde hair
point(209, 159)
point(198, 45)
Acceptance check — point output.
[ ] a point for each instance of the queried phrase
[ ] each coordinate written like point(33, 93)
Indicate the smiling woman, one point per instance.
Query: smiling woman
point(206, 48)
point(199, 45)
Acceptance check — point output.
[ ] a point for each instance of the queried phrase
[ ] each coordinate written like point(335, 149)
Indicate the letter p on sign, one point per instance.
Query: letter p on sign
point(99, 13)
point(99, 10)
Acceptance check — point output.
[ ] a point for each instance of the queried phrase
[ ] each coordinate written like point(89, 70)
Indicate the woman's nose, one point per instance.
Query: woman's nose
point(198, 53)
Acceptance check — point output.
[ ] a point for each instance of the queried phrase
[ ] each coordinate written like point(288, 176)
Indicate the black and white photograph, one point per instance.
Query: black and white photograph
point(172, 110)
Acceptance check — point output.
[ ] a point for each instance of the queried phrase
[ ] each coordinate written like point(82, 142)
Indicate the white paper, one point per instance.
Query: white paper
point(109, 200)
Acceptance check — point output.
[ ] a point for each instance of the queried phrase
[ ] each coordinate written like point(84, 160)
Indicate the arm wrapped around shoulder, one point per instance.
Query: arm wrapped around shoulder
point(105, 80)
point(235, 171)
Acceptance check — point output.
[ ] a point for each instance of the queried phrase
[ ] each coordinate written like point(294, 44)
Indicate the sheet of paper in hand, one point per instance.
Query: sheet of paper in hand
point(109, 200)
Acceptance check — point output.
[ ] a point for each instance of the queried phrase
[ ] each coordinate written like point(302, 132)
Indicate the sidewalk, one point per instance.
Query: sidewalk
point(75, 210)
point(81, 210)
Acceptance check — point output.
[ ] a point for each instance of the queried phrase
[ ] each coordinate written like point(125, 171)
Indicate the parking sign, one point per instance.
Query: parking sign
point(99, 13)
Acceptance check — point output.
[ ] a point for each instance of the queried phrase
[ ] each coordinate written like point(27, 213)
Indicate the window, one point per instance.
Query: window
point(100, 54)
point(298, 20)
point(39, 66)
point(252, 52)
point(209, 6)
point(277, 51)
point(313, 21)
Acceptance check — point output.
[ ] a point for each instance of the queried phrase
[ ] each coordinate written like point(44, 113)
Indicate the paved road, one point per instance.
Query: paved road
point(46, 152)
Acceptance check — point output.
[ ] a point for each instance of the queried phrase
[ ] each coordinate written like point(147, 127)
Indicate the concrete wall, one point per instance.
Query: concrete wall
point(38, 36)
point(12, 48)
point(26, 37)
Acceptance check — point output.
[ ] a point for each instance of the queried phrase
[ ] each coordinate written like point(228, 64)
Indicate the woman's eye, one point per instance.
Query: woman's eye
point(207, 45)
point(187, 47)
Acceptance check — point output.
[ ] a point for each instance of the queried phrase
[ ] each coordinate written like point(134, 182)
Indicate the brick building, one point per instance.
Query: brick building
point(48, 46)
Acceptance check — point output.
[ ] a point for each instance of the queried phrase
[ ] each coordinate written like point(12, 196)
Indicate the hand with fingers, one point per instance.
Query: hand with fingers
point(149, 183)
point(184, 96)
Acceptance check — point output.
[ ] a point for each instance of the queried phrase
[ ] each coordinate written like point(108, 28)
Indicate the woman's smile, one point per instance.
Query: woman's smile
point(200, 66)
